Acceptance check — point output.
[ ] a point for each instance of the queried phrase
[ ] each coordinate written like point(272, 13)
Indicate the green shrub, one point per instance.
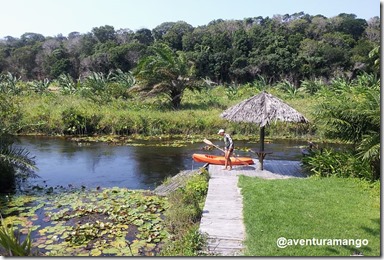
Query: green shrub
point(328, 162)
point(78, 122)
point(190, 244)
point(183, 216)
point(197, 186)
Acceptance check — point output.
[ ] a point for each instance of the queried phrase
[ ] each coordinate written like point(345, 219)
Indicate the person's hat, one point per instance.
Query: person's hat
point(221, 131)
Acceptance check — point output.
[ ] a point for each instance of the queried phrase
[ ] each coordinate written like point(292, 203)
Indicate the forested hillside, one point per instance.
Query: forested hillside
point(285, 47)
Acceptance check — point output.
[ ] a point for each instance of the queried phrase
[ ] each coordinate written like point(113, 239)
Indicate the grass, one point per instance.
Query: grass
point(182, 218)
point(57, 114)
point(325, 208)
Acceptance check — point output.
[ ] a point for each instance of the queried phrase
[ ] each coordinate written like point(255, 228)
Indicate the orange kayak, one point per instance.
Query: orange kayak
point(220, 160)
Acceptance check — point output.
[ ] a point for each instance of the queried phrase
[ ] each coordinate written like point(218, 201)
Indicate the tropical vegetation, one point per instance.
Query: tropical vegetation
point(10, 241)
point(15, 163)
point(291, 47)
point(175, 80)
point(166, 72)
point(350, 111)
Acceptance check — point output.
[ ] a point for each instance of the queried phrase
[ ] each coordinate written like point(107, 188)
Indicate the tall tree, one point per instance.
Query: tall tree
point(144, 36)
point(23, 61)
point(104, 33)
point(174, 36)
point(373, 32)
point(126, 56)
point(349, 24)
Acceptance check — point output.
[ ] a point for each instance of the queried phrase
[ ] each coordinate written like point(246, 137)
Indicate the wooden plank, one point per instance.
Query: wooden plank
point(222, 219)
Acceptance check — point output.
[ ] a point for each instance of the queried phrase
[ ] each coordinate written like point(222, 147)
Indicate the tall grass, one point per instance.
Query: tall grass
point(58, 114)
point(183, 217)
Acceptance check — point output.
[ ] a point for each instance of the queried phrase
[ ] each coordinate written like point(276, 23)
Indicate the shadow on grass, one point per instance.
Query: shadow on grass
point(373, 231)
point(333, 250)
point(353, 250)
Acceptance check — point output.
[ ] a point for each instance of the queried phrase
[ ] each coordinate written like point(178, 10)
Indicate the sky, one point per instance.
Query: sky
point(54, 17)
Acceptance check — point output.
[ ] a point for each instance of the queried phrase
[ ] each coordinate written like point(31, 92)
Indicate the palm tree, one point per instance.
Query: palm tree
point(165, 71)
point(369, 147)
point(15, 163)
point(354, 116)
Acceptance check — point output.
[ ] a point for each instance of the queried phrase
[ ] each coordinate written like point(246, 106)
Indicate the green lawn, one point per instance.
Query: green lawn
point(324, 211)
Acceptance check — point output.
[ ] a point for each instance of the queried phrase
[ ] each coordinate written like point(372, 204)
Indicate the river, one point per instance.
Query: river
point(140, 165)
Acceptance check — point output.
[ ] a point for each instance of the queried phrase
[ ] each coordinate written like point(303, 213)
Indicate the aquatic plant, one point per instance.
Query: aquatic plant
point(10, 241)
point(99, 222)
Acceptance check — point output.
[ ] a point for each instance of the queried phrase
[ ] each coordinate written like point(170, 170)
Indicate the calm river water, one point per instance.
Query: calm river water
point(141, 166)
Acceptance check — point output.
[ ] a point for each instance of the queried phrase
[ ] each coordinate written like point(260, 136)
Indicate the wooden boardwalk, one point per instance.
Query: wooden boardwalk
point(222, 219)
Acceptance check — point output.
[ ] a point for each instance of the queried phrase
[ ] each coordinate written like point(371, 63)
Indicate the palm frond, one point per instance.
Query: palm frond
point(165, 72)
point(19, 158)
point(370, 147)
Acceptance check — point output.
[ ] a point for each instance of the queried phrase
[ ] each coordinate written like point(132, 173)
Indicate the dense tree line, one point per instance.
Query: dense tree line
point(285, 47)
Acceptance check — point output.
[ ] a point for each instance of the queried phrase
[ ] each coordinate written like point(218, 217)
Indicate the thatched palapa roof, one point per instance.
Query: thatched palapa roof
point(262, 109)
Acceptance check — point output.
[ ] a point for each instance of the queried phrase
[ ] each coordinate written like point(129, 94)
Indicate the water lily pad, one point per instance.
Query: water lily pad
point(138, 222)
point(95, 252)
point(122, 226)
point(35, 227)
point(104, 217)
point(40, 240)
point(49, 247)
point(127, 252)
point(24, 231)
point(119, 243)
point(110, 251)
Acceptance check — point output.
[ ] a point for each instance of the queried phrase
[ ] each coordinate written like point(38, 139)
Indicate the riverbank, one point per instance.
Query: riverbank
point(76, 116)
point(181, 203)
point(57, 114)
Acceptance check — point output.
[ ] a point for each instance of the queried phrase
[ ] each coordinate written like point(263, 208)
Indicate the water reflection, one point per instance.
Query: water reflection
point(65, 163)
point(157, 163)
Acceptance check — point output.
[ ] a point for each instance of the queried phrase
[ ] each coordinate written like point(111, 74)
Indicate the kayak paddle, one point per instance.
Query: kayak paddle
point(210, 143)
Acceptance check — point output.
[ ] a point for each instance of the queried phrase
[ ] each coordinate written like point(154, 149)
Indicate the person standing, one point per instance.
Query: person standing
point(229, 146)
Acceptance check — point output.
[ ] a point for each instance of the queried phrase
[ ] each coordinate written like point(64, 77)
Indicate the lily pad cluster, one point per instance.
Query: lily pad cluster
point(163, 140)
point(100, 222)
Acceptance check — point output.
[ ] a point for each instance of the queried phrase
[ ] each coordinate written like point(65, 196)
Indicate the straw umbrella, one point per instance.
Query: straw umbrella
point(263, 109)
